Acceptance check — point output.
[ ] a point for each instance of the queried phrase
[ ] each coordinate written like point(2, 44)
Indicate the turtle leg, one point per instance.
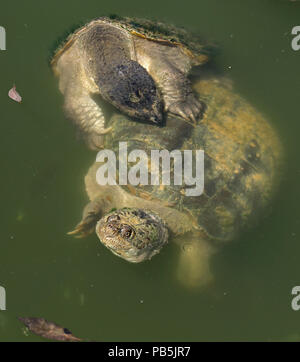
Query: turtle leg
point(88, 115)
point(92, 213)
point(177, 93)
point(79, 104)
point(194, 262)
point(169, 67)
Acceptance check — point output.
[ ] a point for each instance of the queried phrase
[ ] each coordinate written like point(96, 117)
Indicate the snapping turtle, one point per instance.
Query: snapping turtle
point(242, 156)
point(139, 66)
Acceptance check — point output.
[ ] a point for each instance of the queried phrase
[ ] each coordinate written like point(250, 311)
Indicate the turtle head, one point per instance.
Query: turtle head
point(132, 234)
point(132, 90)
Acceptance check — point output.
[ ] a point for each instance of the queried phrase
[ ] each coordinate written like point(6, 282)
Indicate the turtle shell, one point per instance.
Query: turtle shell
point(165, 33)
point(242, 156)
point(151, 30)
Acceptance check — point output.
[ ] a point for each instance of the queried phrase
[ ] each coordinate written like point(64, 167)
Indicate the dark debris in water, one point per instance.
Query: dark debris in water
point(49, 330)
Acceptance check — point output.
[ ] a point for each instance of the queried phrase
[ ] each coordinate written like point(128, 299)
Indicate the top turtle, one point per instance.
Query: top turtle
point(139, 66)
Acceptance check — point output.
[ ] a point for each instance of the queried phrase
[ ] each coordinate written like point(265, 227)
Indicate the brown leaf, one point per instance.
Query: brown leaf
point(50, 330)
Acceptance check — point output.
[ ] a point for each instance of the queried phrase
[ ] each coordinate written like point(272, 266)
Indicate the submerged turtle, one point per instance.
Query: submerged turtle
point(139, 66)
point(242, 154)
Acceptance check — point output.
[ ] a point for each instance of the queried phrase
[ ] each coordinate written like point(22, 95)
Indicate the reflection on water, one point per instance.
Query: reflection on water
point(79, 283)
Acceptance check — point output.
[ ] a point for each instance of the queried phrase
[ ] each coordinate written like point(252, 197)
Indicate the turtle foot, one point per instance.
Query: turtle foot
point(191, 109)
point(91, 214)
point(85, 227)
point(194, 264)
point(95, 140)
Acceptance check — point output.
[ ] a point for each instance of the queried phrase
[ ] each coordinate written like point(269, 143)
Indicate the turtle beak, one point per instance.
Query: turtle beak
point(156, 119)
point(156, 114)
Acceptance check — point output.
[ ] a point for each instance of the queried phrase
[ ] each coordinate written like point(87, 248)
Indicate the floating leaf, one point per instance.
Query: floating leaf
point(50, 330)
point(14, 95)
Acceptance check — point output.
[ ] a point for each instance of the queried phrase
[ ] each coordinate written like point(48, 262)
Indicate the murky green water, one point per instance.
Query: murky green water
point(78, 283)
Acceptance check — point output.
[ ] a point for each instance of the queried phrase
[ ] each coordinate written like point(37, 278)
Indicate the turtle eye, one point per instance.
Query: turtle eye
point(113, 218)
point(127, 231)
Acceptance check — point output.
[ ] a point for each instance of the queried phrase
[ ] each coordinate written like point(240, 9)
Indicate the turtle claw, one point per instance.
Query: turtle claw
point(79, 231)
point(190, 109)
point(104, 131)
point(95, 138)
point(85, 227)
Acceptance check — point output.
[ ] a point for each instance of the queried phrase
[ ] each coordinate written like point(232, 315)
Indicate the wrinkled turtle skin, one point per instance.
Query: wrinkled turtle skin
point(139, 66)
point(242, 154)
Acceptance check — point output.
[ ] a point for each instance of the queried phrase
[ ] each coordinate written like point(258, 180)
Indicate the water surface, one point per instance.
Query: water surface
point(79, 284)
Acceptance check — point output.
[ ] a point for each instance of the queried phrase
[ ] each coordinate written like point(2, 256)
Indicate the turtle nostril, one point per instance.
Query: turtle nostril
point(113, 227)
point(155, 119)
